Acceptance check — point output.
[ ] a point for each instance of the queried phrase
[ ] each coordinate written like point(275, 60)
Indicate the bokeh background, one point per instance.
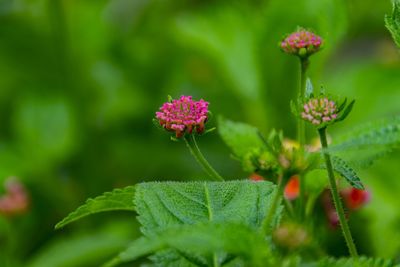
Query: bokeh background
point(80, 82)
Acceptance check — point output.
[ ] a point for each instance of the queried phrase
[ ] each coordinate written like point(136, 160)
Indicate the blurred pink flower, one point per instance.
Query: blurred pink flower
point(16, 200)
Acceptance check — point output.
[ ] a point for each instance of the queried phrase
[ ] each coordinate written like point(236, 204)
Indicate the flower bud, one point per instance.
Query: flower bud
point(291, 236)
point(183, 115)
point(301, 43)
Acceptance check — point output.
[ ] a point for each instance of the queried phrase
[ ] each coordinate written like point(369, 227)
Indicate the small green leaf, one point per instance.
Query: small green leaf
point(118, 199)
point(392, 22)
point(293, 108)
point(346, 111)
point(342, 105)
point(205, 238)
point(240, 137)
point(341, 167)
point(309, 88)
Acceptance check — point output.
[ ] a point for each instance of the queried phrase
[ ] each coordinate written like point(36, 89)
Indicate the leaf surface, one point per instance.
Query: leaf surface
point(349, 262)
point(392, 22)
point(240, 137)
point(118, 199)
point(168, 205)
point(204, 238)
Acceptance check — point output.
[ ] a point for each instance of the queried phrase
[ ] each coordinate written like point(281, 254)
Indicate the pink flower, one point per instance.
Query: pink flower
point(301, 43)
point(183, 115)
point(16, 200)
point(319, 110)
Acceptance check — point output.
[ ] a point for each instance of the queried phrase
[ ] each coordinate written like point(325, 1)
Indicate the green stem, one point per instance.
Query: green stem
point(266, 224)
point(194, 149)
point(215, 260)
point(301, 132)
point(335, 195)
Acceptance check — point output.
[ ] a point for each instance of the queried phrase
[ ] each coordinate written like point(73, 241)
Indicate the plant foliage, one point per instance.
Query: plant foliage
point(392, 22)
point(119, 199)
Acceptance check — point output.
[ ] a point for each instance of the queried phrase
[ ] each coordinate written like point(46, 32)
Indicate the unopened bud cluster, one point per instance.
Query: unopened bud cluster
point(319, 110)
point(301, 43)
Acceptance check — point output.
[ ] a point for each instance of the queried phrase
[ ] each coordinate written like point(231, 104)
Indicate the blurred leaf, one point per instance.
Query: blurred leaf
point(119, 199)
point(392, 22)
point(240, 137)
point(204, 238)
point(46, 123)
point(349, 262)
point(84, 249)
point(223, 33)
point(384, 133)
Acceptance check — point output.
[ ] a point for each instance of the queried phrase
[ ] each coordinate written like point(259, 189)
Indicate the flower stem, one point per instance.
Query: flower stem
point(195, 151)
point(301, 132)
point(335, 195)
point(266, 224)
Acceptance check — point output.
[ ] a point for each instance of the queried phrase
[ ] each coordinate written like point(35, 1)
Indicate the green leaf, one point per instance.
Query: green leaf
point(204, 238)
point(385, 133)
point(118, 199)
point(309, 88)
point(349, 262)
point(340, 166)
point(169, 204)
point(392, 22)
point(162, 205)
point(346, 111)
point(90, 248)
point(240, 137)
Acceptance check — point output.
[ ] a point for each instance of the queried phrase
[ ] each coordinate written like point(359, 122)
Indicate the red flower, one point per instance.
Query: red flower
point(256, 177)
point(355, 198)
point(292, 188)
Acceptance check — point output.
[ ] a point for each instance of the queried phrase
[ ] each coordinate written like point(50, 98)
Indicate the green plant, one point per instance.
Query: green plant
point(238, 222)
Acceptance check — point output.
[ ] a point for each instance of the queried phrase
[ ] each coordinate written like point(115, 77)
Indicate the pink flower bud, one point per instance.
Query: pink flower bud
point(301, 43)
point(183, 115)
point(319, 110)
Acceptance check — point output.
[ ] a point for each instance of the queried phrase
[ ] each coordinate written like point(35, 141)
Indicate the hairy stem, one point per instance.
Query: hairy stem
point(195, 151)
point(335, 195)
point(266, 224)
point(301, 132)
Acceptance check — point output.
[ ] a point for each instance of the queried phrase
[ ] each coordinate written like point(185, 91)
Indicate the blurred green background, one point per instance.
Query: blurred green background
point(80, 82)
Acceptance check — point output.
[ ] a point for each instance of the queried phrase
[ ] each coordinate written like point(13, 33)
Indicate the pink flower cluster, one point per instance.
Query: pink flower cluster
point(302, 43)
point(183, 115)
point(319, 110)
point(16, 200)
